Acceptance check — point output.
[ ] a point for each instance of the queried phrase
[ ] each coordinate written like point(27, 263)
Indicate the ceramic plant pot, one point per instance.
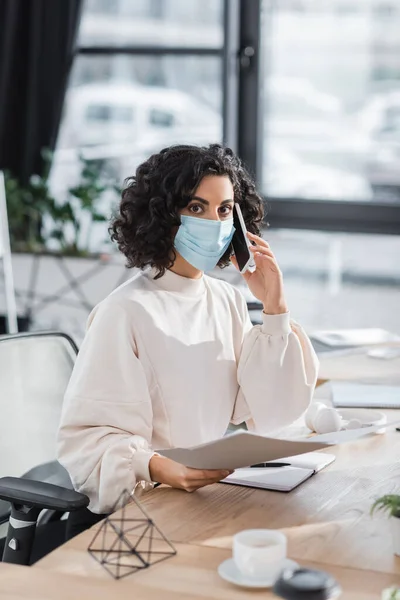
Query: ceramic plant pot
point(396, 534)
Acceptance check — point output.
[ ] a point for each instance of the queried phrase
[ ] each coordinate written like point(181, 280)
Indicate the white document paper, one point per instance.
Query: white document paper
point(245, 448)
point(239, 450)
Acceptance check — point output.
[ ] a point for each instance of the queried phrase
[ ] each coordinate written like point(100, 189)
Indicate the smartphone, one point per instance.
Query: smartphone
point(241, 242)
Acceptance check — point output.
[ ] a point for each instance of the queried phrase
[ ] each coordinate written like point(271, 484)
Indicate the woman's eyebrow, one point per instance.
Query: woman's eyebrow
point(207, 202)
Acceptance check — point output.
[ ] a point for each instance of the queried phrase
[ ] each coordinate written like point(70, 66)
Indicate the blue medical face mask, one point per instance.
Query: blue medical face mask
point(202, 242)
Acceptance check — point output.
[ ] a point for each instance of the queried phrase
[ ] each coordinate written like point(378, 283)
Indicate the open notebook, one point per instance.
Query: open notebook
point(282, 479)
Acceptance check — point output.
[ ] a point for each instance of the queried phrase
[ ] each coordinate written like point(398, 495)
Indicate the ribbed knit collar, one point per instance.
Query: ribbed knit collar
point(172, 282)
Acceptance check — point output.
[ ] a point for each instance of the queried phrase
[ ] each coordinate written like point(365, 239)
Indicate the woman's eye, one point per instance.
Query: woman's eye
point(226, 210)
point(194, 208)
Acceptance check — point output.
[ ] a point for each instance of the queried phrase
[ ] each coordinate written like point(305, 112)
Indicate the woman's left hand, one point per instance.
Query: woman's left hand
point(266, 282)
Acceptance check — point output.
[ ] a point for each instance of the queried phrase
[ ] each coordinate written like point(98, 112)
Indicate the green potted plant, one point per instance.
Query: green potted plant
point(26, 205)
point(36, 218)
point(55, 240)
point(390, 503)
point(82, 204)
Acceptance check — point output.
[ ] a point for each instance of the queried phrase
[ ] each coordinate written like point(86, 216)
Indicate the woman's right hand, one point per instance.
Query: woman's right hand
point(165, 470)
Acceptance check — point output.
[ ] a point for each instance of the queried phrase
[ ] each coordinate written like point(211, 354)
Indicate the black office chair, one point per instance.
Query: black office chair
point(28, 499)
point(34, 372)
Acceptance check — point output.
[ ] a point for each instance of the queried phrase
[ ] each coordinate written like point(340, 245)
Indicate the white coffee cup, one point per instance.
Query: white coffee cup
point(259, 553)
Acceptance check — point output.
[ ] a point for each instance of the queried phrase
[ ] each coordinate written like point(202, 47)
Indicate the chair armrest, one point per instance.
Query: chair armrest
point(40, 495)
point(5, 511)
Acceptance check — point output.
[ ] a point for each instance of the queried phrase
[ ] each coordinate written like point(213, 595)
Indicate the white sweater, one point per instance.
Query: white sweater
point(170, 362)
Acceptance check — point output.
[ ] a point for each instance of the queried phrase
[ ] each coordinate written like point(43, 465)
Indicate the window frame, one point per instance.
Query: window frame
point(293, 213)
point(243, 67)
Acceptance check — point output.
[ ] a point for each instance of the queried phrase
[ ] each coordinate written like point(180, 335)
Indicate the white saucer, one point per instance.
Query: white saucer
point(229, 571)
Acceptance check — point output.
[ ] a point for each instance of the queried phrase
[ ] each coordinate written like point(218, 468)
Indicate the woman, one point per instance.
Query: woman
point(170, 357)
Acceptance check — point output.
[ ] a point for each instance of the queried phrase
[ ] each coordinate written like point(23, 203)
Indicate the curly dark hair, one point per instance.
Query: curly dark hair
point(162, 186)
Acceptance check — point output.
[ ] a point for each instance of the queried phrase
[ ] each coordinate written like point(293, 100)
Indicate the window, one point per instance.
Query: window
point(148, 74)
point(127, 107)
point(307, 92)
point(331, 106)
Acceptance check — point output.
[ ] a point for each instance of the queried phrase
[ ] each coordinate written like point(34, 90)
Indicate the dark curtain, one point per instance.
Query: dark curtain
point(37, 44)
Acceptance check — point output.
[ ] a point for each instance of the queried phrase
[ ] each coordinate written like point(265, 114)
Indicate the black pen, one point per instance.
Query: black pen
point(270, 464)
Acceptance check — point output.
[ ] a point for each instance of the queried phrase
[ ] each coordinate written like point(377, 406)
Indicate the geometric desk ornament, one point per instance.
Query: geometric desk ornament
point(125, 545)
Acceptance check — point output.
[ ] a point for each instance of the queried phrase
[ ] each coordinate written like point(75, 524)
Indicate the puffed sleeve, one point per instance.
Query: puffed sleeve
point(277, 372)
point(106, 423)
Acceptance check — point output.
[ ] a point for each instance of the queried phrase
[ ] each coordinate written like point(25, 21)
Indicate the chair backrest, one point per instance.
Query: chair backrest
point(34, 372)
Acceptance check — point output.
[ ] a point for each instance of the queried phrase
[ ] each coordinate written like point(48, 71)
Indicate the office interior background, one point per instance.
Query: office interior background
point(307, 92)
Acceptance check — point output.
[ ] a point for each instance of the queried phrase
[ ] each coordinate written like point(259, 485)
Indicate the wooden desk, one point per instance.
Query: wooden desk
point(326, 521)
point(70, 572)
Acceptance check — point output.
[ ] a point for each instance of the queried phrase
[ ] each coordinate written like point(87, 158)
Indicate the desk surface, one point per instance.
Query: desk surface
point(326, 520)
point(358, 366)
point(71, 572)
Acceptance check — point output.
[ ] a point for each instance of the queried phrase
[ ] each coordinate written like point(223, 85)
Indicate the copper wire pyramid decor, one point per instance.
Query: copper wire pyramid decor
point(124, 545)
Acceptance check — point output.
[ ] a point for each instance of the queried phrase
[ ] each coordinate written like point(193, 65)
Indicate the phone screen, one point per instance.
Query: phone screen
point(240, 241)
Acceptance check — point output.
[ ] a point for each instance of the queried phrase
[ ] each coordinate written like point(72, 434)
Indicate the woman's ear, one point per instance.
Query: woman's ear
point(234, 261)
